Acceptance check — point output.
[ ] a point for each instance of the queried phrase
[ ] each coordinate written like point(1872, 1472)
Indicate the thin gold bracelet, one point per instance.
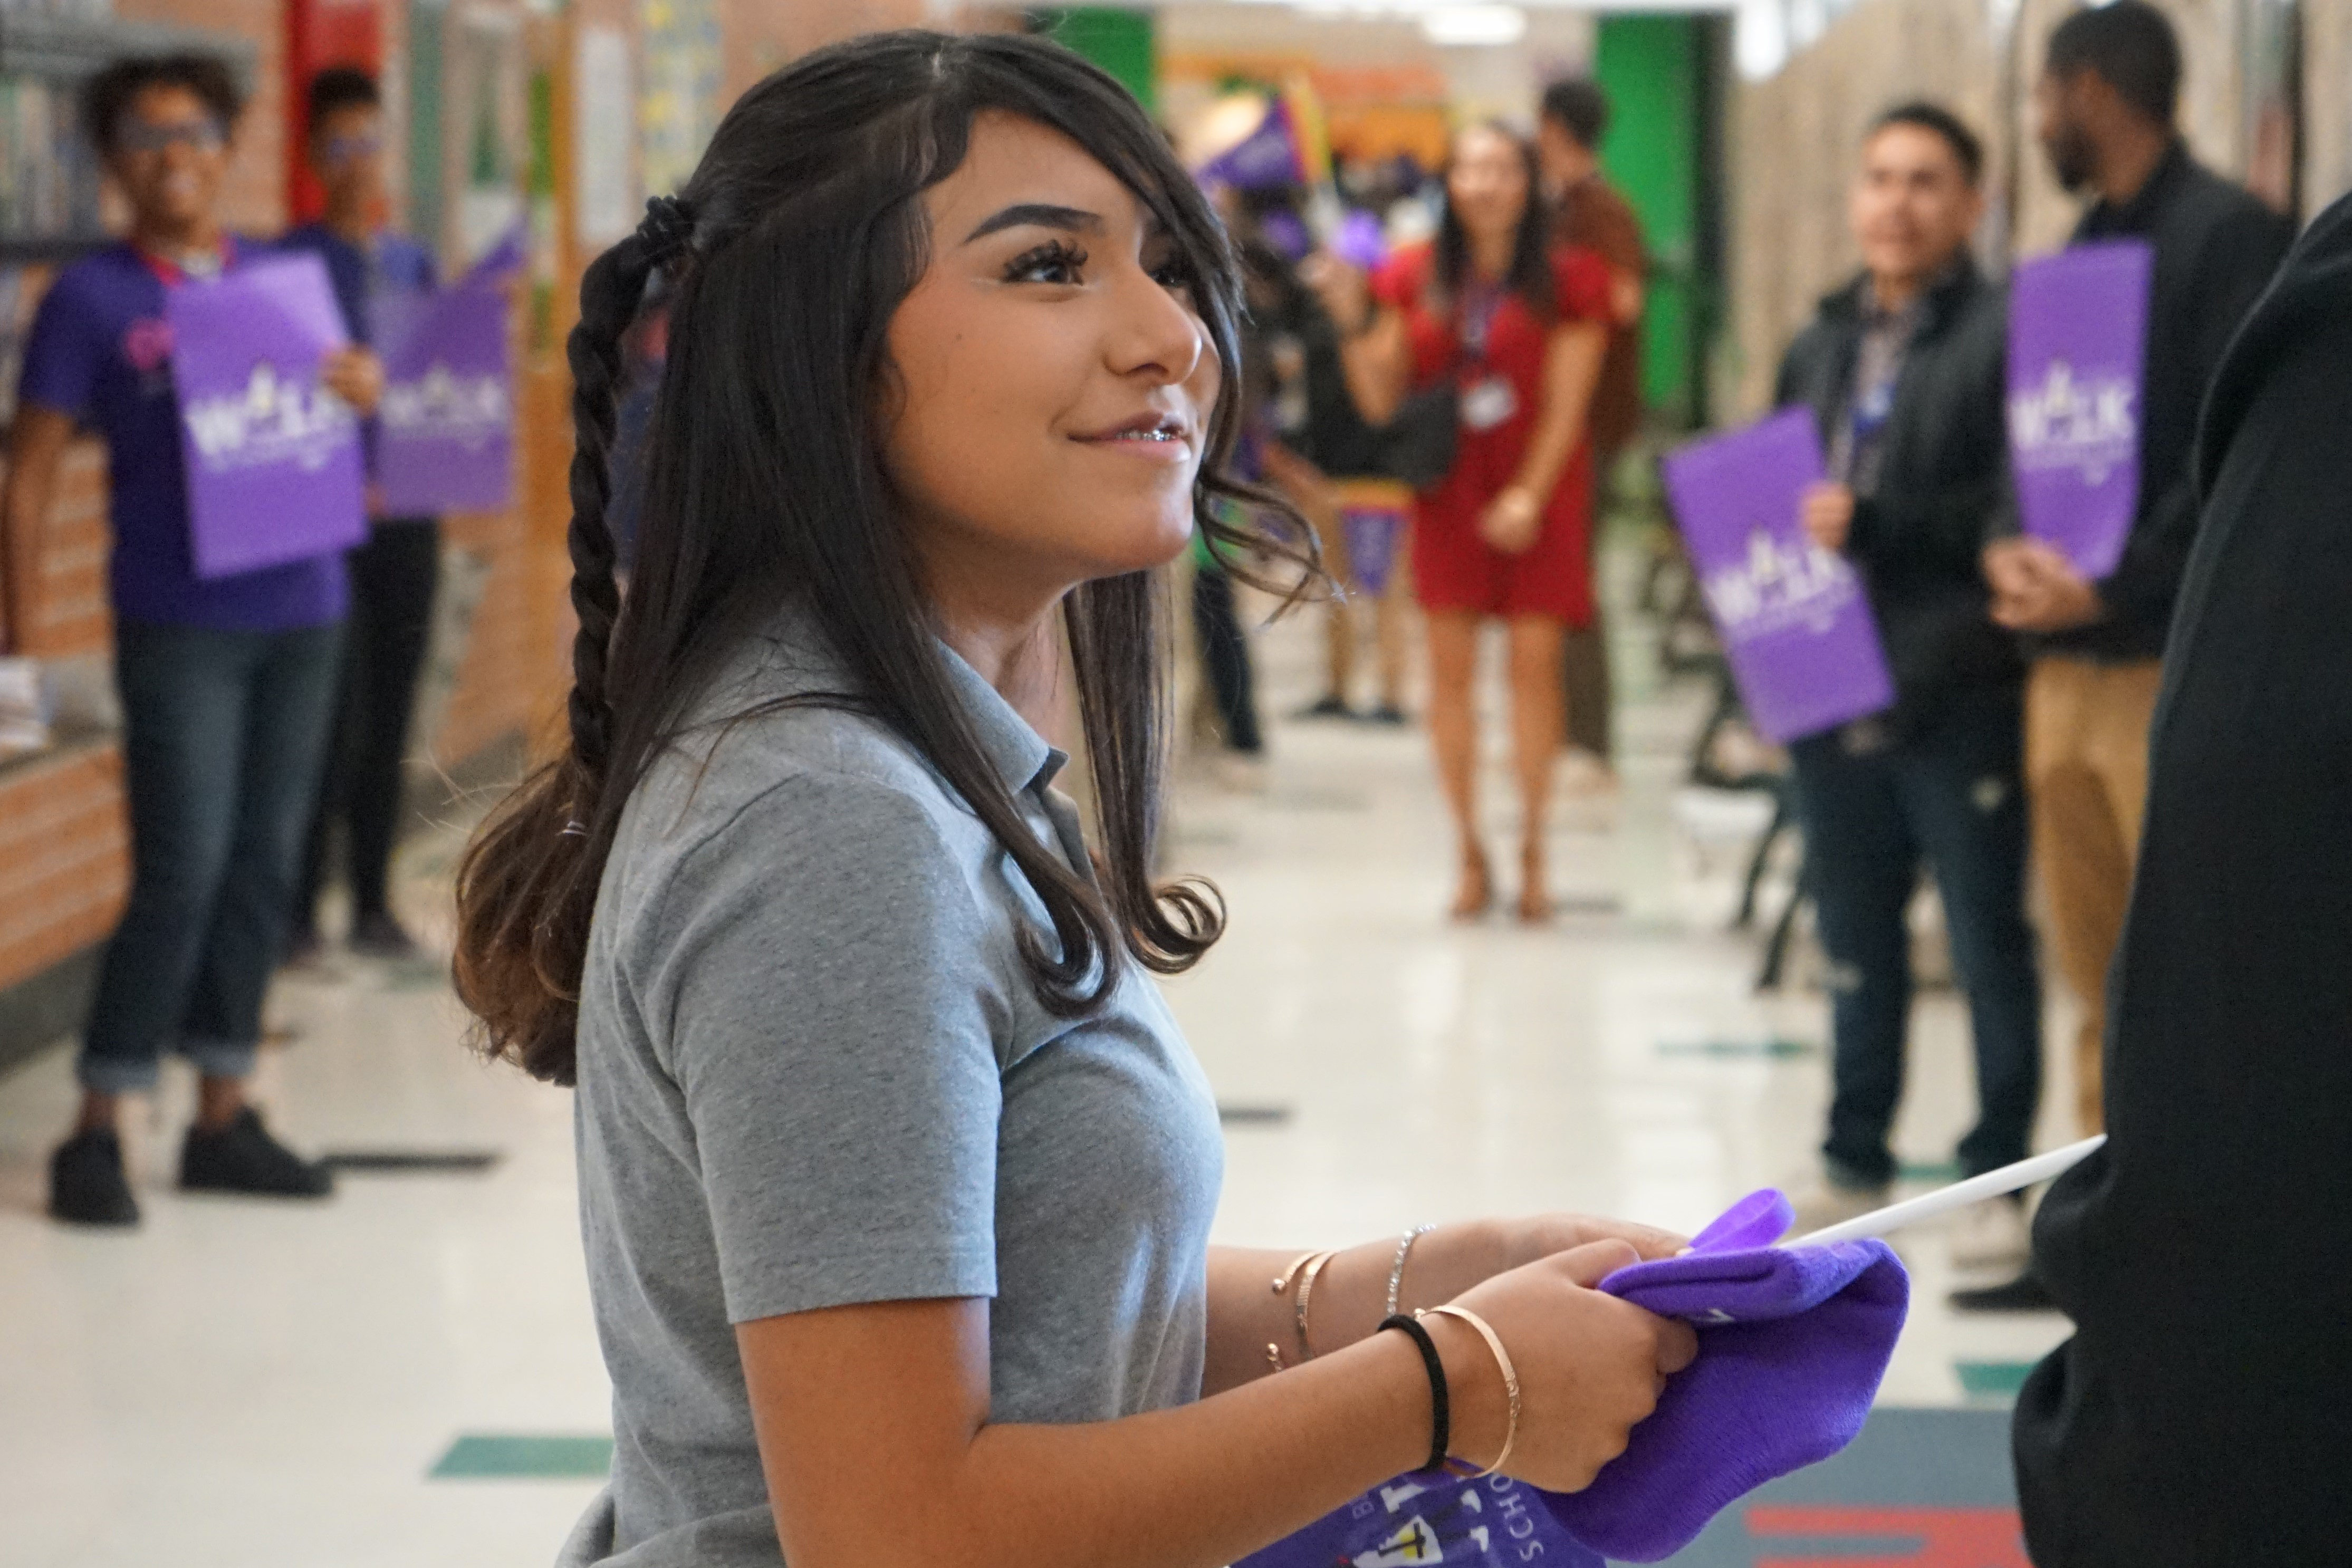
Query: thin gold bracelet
point(1510, 1377)
point(1282, 1281)
point(1315, 1266)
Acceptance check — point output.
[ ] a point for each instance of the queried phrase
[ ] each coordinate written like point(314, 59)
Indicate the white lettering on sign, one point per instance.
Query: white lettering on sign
point(1779, 586)
point(274, 420)
point(443, 403)
point(2090, 425)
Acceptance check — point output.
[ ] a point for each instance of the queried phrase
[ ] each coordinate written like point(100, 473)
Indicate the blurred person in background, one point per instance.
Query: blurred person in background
point(1316, 448)
point(227, 684)
point(1590, 213)
point(1905, 370)
point(1515, 326)
point(2107, 99)
point(2195, 1418)
point(395, 574)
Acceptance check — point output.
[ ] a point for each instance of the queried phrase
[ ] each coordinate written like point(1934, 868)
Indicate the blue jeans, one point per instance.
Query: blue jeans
point(224, 734)
point(1953, 794)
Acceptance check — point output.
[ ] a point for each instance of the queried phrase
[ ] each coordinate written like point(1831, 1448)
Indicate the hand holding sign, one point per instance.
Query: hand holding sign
point(272, 452)
point(1798, 633)
point(2077, 342)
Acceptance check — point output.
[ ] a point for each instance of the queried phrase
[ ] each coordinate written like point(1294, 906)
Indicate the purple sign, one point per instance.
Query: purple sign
point(2077, 339)
point(444, 436)
point(1425, 1520)
point(1795, 624)
point(273, 458)
point(1373, 518)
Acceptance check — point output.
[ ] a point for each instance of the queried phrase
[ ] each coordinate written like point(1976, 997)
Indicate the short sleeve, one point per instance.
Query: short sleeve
point(64, 353)
point(822, 986)
point(1401, 282)
point(1582, 284)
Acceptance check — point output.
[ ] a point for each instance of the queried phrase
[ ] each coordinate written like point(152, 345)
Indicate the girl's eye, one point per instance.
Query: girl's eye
point(1054, 262)
point(1173, 274)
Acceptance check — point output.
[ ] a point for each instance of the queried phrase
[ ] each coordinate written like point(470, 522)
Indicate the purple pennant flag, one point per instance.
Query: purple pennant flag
point(2077, 340)
point(1795, 624)
point(1426, 1520)
point(1267, 159)
point(445, 437)
point(273, 458)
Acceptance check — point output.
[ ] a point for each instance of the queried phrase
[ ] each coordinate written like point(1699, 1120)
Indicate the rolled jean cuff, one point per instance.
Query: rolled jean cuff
point(219, 1058)
point(138, 1074)
point(116, 1074)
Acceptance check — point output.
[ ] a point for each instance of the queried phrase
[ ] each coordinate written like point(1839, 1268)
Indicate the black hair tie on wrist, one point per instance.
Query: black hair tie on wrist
point(1440, 1414)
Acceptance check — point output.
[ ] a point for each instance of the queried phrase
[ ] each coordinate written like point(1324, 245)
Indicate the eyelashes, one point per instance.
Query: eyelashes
point(1055, 261)
point(1060, 262)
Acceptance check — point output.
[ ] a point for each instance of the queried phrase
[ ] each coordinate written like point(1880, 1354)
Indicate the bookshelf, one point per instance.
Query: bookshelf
point(50, 176)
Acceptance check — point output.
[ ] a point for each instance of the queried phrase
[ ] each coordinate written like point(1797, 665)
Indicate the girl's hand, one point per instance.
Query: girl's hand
point(1543, 1235)
point(1512, 521)
point(1590, 1367)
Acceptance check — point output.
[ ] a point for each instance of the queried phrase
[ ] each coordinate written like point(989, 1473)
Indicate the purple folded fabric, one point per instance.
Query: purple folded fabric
point(1793, 1342)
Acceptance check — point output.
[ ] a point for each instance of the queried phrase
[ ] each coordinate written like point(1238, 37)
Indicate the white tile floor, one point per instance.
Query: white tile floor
point(247, 1386)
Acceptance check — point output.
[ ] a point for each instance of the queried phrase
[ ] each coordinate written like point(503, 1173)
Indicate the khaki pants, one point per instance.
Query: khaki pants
point(2086, 773)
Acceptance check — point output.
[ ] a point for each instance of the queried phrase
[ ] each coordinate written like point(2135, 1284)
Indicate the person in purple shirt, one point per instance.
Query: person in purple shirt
point(227, 684)
point(395, 574)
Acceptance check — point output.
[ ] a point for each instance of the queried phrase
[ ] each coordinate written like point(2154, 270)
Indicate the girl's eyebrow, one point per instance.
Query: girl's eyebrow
point(1042, 214)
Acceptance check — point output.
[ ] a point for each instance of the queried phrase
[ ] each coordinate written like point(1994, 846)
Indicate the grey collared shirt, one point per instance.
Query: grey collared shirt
point(814, 1072)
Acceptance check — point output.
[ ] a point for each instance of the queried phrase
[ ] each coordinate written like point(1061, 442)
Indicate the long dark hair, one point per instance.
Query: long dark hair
point(802, 231)
point(1530, 274)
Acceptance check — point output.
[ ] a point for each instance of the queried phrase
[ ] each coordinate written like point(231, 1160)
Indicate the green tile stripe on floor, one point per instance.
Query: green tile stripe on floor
point(1775, 1048)
point(1941, 1172)
point(1992, 1379)
point(513, 1455)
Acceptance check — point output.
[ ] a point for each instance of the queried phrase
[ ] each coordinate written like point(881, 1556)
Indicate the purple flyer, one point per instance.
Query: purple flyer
point(444, 437)
point(1424, 1520)
point(1373, 516)
point(2077, 338)
point(1795, 623)
point(273, 458)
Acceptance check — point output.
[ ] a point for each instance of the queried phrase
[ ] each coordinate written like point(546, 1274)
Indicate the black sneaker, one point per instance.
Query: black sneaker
point(86, 1186)
point(243, 1157)
point(1331, 706)
point(2026, 1293)
point(379, 936)
point(1387, 713)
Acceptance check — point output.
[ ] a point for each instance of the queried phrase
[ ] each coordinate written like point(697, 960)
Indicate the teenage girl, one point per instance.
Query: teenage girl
point(897, 1175)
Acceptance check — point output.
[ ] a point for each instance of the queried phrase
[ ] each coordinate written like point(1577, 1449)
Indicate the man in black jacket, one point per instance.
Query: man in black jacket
point(1904, 371)
point(2107, 97)
point(2197, 1418)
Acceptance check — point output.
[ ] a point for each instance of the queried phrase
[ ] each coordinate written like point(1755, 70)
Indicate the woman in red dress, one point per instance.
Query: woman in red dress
point(1519, 327)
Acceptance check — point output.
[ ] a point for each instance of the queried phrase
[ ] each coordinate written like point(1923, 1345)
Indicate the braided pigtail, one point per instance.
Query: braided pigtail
point(527, 886)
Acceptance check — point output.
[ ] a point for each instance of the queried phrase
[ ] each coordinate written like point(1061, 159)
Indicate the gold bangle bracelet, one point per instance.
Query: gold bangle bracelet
point(1315, 1266)
point(1282, 1281)
point(1510, 1377)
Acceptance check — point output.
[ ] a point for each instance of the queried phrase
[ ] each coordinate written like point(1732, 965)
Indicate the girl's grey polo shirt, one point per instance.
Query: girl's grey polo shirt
point(813, 1072)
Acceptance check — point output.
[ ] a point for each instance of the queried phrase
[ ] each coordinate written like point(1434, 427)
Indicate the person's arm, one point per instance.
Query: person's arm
point(875, 1437)
point(1350, 1294)
point(1572, 357)
point(37, 446)
point(1375, 344)
point(2238, 259)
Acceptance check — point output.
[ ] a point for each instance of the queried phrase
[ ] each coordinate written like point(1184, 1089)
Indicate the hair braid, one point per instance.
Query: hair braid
point(609, 293)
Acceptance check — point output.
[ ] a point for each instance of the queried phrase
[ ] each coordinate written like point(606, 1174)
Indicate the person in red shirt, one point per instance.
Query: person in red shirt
point(1519, 327)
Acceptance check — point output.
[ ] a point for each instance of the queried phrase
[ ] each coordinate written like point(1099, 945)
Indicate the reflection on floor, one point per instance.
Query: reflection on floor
point(409, 1374)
